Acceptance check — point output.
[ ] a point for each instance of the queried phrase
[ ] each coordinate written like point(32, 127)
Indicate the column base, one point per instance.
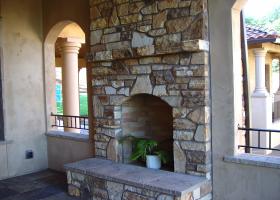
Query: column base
point(261, 118)
point(261, 110)
point(260, 93)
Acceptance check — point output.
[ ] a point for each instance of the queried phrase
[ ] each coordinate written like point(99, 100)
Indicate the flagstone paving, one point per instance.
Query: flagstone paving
point(44, 185)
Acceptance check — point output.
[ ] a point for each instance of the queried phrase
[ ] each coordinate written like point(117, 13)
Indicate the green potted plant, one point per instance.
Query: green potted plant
point(146, 150)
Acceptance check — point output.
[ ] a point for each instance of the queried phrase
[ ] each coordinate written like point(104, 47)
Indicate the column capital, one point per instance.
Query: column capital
point(260, 52)
point(73, 39)
point(69, 47)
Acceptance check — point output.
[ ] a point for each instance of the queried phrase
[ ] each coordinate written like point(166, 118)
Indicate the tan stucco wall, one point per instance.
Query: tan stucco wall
point(3, 160)
point(23, 83)
point(55, 11)
point(231, 181)
point(245, 182)
point(73, 30)
point(62, 151)
point(23, 94)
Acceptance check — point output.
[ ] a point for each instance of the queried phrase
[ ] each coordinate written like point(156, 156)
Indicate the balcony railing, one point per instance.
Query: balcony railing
point(70, 121)
point(258, 132)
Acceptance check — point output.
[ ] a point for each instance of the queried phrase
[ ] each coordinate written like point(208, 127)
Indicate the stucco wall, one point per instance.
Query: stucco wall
point(246, 182)
point(23, 88)
point(63, 150)
point(74, 10)
point(231, 181)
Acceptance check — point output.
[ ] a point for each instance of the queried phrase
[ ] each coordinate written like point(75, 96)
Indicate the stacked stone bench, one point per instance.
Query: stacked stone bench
point(107, 180)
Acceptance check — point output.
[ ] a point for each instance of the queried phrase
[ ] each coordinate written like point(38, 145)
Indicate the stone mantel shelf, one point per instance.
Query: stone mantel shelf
point(156, 180)
point(116, 54)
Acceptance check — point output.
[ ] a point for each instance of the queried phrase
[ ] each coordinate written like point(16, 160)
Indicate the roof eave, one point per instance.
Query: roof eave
point(261, 40)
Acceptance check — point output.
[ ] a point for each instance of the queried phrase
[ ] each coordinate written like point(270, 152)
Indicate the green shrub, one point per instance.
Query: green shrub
point(143, 147)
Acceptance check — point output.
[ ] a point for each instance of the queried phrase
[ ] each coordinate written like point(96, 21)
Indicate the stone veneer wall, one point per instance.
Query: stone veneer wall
point(156, 47)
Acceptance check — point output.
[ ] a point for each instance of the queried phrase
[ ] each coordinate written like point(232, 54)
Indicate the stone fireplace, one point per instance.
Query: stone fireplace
point(158, 49)
point(150, 78)
point(146, 84)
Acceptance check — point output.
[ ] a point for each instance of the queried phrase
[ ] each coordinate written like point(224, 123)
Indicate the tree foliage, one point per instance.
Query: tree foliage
point(271, 21)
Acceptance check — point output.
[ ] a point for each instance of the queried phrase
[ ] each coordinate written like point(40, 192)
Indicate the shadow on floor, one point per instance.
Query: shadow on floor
point(44, 185)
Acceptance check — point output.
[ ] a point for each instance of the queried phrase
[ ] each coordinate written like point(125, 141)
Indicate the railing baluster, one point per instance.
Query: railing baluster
point(247, 135)
point(73, 122)
point(258, 132)
point(69, 121)
point(259, 139)
point(269, 139)
point(84, 123)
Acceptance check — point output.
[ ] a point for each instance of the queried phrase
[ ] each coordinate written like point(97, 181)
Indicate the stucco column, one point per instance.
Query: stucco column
point(278, 58)
point(260, 88)
point(278, 91)
point(70, 80)
point(261, 100)
point(277, 99)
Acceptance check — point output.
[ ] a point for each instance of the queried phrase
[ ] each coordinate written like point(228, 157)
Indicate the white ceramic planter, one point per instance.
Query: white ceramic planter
point(153, 162)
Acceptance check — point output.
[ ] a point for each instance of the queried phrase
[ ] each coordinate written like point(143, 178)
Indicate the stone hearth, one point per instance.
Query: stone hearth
point(105, 179)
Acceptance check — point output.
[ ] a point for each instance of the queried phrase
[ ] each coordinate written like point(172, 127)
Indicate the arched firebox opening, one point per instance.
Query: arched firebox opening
point(147, 116)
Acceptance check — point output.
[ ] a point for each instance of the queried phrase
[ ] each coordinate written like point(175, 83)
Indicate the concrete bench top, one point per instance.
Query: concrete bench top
point(68, 135)
point(161, 181)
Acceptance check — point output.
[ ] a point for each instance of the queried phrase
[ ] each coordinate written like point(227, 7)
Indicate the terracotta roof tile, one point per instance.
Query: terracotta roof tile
point(259, 34)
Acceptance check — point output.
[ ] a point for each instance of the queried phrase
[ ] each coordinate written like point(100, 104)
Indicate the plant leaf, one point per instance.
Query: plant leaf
point(163, 156)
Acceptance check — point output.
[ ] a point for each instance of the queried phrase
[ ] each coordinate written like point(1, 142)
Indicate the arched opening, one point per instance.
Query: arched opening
point(263, 77)
point(256, 97)
point(65, 78)
point(226, 81)
point(147, 116)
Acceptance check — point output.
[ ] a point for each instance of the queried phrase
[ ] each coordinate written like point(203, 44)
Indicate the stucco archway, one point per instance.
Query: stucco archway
point(59, 29)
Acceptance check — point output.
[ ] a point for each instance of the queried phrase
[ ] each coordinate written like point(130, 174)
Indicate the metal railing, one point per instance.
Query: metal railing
point(259, 131)
point(70, 121)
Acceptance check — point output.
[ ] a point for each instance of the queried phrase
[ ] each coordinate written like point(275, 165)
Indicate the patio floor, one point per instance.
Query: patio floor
point(44, 185)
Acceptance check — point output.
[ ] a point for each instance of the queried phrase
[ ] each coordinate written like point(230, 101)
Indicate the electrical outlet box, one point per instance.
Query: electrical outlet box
point(29, 154)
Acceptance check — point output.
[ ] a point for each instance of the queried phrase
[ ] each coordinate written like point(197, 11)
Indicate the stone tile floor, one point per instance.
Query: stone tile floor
point(44, 185)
